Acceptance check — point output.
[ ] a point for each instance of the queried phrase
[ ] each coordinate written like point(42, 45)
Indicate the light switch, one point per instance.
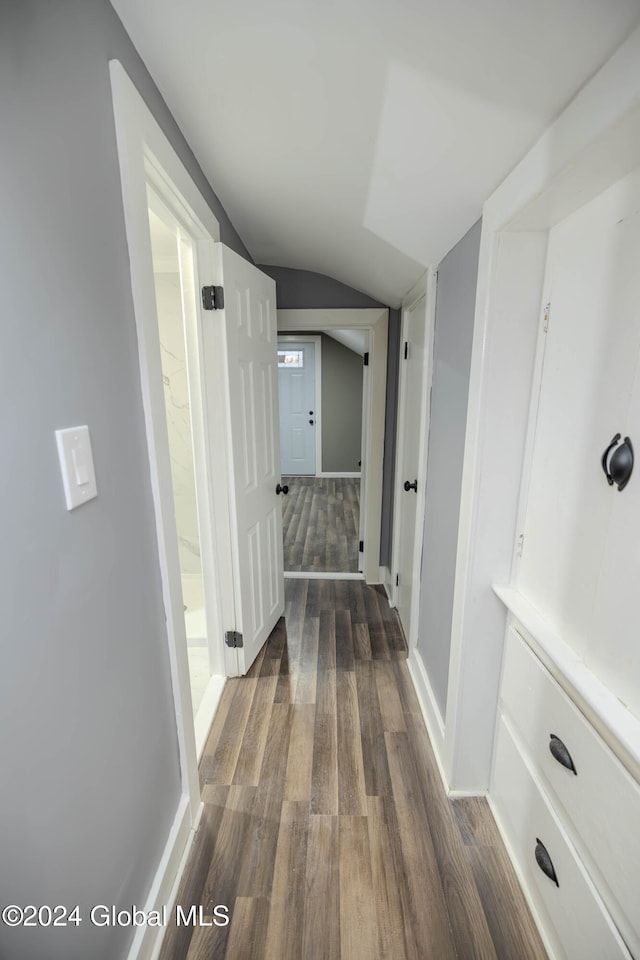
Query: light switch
point(76, 465)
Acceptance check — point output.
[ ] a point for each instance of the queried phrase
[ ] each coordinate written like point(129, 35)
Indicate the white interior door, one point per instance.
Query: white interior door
point(298, 414)
point(249, 318)
point(408, 476)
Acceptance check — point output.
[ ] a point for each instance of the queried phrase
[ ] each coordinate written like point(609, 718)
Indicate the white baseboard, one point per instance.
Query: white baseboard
point(206, 711)
point(344, 474)
point(164, 888)
point(430, 711)
point(314, 575)
point(385, 580)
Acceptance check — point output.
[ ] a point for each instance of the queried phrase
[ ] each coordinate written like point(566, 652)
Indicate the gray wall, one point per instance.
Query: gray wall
point(341, 407)
point(455, 307)
point(88, 743)
point(302, 289)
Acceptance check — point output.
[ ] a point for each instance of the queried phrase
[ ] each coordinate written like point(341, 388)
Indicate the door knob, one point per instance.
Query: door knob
point(311, 422)
point(282, 489)
point(411, 486)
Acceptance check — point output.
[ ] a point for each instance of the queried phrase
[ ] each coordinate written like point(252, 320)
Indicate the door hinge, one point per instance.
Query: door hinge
point(361, 546)
point(365, 359)
point(397, 579)
point(545, 322)
point(213, 298)
point(233, 639)
point(520, 545)
point(406, 349)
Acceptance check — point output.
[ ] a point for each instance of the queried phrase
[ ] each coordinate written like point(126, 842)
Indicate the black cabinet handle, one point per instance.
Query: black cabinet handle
point(545, 863)
point(411, 486)
point(561, 754)
point(619, 466)
point(311, 422)
point(282, 489)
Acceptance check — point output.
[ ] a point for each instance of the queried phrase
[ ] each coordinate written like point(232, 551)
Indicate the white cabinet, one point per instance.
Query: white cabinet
point(583, 808)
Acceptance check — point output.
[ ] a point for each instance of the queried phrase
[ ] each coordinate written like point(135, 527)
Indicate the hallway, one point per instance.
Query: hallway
point(320, 521)
point(326, 831)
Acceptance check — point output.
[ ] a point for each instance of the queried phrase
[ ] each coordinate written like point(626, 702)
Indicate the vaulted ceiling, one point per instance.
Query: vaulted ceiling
point(359, 138)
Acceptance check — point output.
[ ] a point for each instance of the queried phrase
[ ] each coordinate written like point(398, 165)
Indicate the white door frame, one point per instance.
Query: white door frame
point(146, 157)
point(317, 341)
point(376, 321)
point(425, 287)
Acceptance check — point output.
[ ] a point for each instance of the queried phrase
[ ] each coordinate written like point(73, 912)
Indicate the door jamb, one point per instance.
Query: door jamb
point(317, 341)
point(375, 320)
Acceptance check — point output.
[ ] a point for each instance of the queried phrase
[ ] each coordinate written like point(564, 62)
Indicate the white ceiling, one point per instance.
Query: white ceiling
point(359, 138)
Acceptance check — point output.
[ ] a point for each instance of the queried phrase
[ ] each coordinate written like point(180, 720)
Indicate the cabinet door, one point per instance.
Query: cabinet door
point(575, 547)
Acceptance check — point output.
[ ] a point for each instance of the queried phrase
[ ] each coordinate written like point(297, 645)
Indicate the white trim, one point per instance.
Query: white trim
point(138, 139)
point(376, 322)
point(317, 341)
point(324, 575)
point(146, 158)
point(429, 707)
point(207, 711)
point(341, 475)
point(426, 287)
point(594, 142)
point(147, 940)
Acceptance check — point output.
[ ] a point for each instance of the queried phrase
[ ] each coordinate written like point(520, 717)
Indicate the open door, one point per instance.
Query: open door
point(248, 317)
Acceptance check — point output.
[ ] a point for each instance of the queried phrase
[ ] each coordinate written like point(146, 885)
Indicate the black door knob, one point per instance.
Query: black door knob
point(311, 422)
point(411, 486)
point(282, 489)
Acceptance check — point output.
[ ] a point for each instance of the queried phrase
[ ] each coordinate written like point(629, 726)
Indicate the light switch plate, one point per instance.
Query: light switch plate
point(76, 465)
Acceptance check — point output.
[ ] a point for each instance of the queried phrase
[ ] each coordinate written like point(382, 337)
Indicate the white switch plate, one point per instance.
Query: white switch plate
point(76, 465)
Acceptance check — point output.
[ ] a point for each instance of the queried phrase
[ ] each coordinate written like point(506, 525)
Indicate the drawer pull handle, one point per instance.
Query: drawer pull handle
point(561, 754)
point(544, 862)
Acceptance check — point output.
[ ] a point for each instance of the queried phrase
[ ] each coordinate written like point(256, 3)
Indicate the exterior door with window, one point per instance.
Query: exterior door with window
point(297, 390)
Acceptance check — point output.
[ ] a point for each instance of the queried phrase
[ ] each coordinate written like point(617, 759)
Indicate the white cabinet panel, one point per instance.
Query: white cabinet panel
point(582, 537)
point(601, 800)
point(574, 917)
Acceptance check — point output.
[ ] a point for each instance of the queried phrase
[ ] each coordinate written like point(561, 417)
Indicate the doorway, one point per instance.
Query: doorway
point(332, 517)
point(416, 349)
point(175, 316)
point(320, 399)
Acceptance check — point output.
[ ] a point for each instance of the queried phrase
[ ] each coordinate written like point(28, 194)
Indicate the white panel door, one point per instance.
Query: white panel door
point(297, 390)
point(249, 318)
point(413, 372)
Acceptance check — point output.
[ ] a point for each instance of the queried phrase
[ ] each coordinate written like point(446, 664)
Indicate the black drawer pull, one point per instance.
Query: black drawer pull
point(561, 754)
point(544, 862)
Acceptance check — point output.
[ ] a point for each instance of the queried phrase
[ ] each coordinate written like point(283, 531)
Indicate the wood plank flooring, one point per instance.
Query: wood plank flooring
point(320, 519)
point(326, 830)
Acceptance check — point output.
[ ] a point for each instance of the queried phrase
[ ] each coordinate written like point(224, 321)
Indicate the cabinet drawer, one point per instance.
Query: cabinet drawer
point(600, 801)
point(574, 917)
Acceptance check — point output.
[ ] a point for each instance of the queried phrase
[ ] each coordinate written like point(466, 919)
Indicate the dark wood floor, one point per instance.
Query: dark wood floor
point(320, 519)
point(326, 830)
